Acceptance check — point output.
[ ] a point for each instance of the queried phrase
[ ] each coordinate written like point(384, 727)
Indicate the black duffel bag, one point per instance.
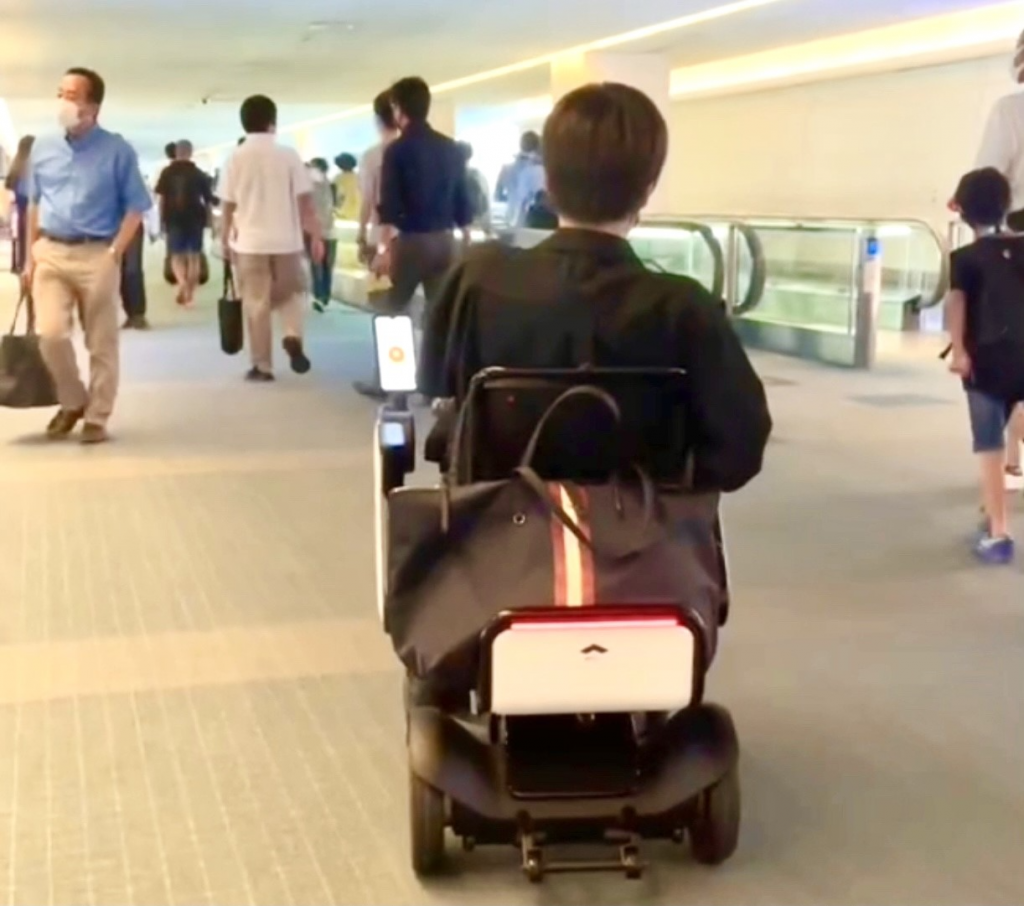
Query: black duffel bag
point(229, 315)
point(25, 381)
point(459, 556)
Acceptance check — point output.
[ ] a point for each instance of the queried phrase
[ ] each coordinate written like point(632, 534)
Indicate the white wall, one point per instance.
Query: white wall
point(888, 145)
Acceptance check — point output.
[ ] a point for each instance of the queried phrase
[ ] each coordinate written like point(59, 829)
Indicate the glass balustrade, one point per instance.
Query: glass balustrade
point(794, 284)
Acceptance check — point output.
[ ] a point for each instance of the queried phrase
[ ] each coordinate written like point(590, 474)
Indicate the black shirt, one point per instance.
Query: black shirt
point(521, 308)
point(187, 194)
point(423, 185)
point(990, 274)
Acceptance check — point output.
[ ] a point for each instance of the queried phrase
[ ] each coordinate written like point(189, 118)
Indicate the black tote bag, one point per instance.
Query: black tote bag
point(229, 315)
point(25, 381)
point(460, 556)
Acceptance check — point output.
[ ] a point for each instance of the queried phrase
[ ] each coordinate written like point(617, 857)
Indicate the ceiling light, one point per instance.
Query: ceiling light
point(923, 39)
point(627, 37)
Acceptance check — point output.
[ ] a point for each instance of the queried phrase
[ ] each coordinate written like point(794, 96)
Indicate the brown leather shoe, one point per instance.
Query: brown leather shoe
point(94, 434)
point(63, 423)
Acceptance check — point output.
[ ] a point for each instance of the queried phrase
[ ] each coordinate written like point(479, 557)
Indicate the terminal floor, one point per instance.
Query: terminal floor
point(197, 704)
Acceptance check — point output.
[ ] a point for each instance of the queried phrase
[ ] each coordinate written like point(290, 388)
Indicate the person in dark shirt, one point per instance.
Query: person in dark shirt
point(186, 198)
point(605, 148)
point(985, 310)
point(424, 197)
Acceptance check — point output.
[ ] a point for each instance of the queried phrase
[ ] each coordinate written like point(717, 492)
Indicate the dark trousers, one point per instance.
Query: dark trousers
point(419, 259)
point(322, 274)
point(133, 282)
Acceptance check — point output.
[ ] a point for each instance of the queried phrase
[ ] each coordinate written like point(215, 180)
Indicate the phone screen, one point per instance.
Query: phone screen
point(396, 353)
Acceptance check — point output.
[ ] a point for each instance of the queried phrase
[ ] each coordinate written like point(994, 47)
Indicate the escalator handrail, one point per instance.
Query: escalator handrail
point(710, 240)
point(780, 221)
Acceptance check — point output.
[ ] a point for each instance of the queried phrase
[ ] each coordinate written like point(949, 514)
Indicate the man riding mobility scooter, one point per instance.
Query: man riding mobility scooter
point(556, 601)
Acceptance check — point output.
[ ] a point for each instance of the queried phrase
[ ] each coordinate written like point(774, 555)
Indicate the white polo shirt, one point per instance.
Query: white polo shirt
point(1002, 145)
point(264, 181)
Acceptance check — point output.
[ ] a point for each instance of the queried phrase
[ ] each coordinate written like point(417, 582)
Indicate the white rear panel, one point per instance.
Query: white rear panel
point(592, 668)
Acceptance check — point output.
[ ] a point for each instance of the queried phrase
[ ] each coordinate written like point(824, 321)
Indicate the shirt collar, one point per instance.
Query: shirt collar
point(591, 242)
point(85, 139)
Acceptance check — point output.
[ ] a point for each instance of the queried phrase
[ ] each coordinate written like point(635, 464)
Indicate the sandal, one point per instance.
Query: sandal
point(1014, 471)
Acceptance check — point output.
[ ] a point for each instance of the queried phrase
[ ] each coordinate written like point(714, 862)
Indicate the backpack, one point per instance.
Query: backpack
point(998, 325)
point(540, 215)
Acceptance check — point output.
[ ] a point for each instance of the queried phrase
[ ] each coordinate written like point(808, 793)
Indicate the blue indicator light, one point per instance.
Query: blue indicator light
point(873, 247)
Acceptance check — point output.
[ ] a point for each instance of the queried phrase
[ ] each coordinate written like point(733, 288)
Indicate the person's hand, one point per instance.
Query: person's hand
point(316, 249)
point(960, 363)
point(28, 272)
point(363, 249)
point(381, 265)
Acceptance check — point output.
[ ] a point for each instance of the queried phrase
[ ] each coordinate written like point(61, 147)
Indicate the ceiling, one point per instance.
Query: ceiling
point(180, 67)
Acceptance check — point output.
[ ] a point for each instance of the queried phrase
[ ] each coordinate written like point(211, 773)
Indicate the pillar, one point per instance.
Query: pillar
point(650, 73)
point(442, 116)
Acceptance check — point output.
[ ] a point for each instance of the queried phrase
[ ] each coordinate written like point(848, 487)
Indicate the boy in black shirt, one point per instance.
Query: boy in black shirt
point(985, 309)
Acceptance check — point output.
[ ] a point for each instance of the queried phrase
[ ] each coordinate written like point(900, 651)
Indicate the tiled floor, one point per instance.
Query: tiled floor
point(197, 705)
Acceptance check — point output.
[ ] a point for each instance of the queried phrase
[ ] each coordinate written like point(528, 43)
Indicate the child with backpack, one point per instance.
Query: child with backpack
point(985, 310)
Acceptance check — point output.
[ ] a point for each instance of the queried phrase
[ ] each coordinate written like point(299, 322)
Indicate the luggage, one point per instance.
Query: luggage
point(25, 381)
point(230, 316)
point(459, 556)
point(204, 271)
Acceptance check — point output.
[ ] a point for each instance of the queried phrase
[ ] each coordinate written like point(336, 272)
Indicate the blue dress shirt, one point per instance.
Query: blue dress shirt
point(84, 186)
point(423, 186)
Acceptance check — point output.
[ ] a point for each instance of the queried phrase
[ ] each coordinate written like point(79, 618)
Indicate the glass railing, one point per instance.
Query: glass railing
point(813, 296)
point(794, 285)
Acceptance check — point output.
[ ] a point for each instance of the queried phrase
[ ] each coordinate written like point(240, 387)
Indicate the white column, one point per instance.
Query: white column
point(650, 73)
point(442, 116)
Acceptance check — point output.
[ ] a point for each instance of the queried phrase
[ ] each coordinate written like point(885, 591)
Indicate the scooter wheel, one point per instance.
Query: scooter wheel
point(715, 829)
point(426, 826)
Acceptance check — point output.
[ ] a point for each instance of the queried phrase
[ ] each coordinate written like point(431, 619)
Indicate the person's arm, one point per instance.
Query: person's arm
point(442, 349)
point(956, 316)
point(302, 187)
point(135, 201)
point(731, 418)
point(369, 180)
point(228, 205)
point(463, 201)
point(999, 143)
point(392, 204)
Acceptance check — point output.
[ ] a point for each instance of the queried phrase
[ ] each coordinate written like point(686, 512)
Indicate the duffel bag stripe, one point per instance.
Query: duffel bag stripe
point(574, 561)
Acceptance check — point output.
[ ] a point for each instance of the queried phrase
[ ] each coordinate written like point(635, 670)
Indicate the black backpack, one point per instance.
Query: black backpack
point(998, 324)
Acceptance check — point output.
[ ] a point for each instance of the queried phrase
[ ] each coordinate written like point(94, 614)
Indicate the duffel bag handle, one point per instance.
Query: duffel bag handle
point(602, 396)
point(229, 280)
point(24, 300)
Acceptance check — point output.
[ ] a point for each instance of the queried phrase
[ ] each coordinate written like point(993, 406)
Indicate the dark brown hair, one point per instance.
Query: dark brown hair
point(604, 148)
point(19, 166)
point(97, 87)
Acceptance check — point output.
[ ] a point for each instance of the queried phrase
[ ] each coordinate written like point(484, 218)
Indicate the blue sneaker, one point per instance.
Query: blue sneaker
point(994, 551)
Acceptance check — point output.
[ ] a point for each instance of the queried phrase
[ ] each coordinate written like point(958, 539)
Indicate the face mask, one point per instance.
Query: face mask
point(68, 114)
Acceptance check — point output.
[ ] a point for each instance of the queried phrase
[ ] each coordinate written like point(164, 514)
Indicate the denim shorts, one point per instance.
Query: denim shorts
point(184, 240)
point(989, 418)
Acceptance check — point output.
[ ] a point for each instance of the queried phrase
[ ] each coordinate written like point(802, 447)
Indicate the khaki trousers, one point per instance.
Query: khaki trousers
point(83, 279)
point(271, 283)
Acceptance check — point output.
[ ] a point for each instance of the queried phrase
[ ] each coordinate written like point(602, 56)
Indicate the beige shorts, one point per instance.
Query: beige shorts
point(271, 280)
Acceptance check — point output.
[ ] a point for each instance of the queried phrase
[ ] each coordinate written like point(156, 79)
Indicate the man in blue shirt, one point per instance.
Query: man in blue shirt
point(424, 196)
point(86, 201)
point(522, 181)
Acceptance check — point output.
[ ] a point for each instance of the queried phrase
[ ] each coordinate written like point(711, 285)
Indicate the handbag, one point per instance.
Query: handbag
point(229, 315)
point(204, 271)
point(25, 381)
point(459, 556)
